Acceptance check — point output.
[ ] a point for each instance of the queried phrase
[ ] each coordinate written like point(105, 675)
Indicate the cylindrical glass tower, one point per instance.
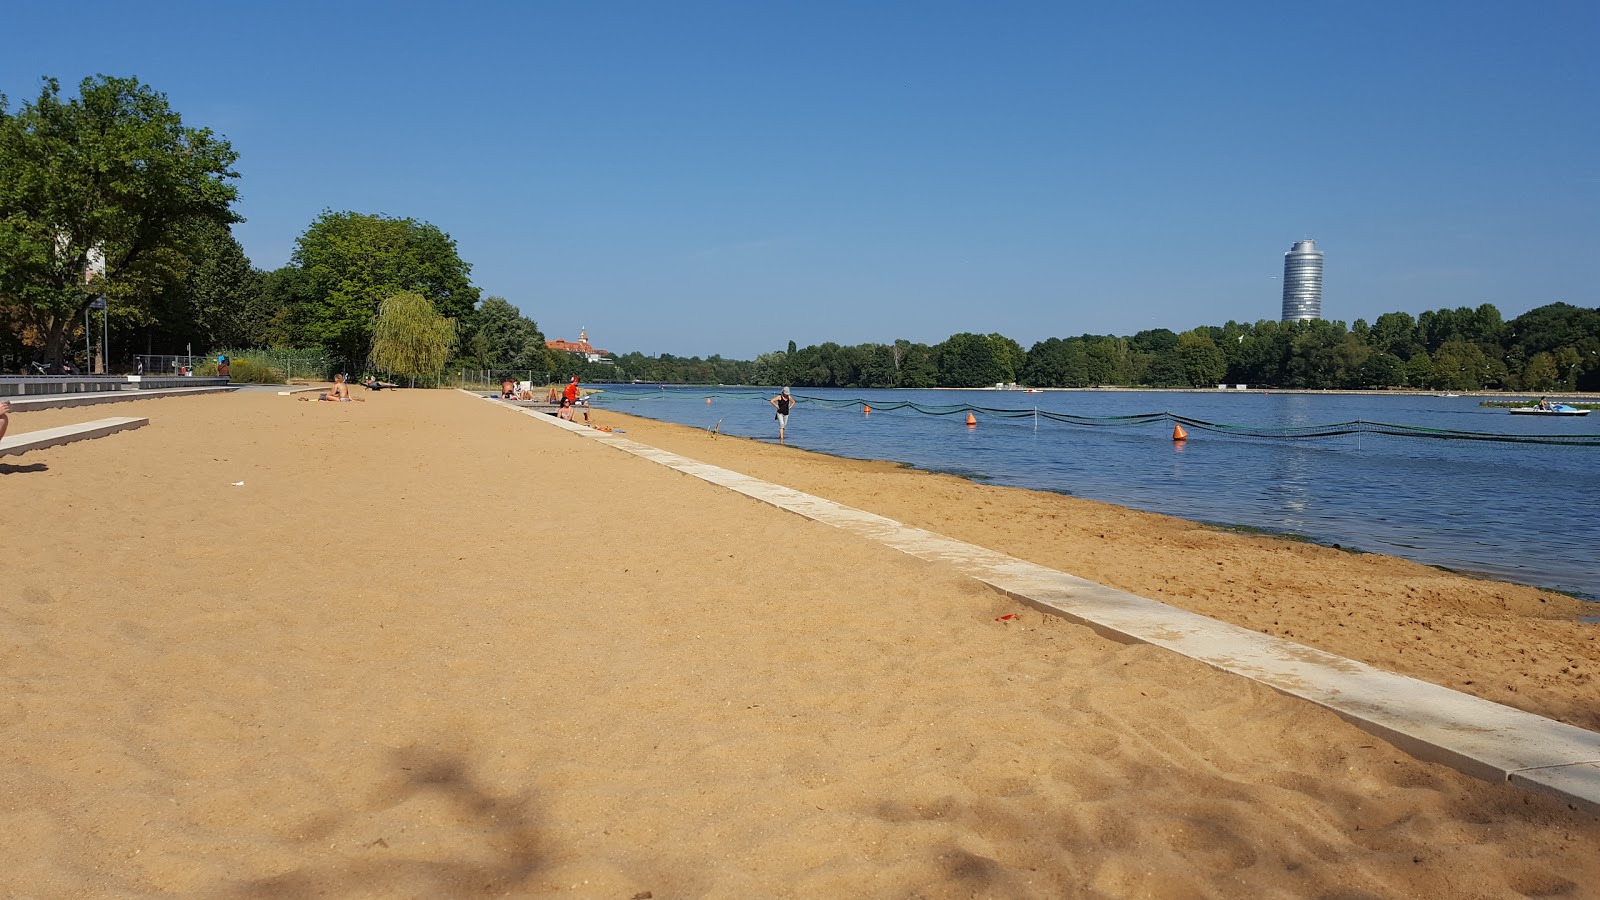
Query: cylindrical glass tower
point(1302, 282)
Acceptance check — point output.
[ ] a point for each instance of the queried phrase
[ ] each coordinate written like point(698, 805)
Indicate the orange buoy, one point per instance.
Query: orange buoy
point(1178, 434)
point(972, 421)
point(866, 410)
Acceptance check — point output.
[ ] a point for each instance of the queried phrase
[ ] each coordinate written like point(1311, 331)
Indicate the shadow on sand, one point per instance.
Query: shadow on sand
point(8, 469)
point(505, 830)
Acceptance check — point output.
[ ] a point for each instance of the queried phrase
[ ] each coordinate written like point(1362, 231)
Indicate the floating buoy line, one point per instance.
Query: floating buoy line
point(1182, 424)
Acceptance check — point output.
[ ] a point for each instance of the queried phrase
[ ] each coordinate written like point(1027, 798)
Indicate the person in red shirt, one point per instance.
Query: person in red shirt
point(568, 398)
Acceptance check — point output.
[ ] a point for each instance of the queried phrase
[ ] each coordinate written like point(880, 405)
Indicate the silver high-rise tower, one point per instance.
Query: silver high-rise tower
point(1302, 282)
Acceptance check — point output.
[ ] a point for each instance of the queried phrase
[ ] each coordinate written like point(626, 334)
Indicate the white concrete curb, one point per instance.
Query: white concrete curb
point(64, 401)
point(66, 434)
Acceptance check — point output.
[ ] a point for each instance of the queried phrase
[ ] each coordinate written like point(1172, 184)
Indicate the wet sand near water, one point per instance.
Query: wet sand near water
point(433, 648)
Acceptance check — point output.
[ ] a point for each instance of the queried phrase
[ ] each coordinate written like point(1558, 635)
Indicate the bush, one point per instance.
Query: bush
point(245, 370)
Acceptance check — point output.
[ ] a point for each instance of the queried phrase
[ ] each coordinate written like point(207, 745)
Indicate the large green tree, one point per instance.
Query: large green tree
point(219, 302)
point(350, 261)
point(113, 171)
point(499, 336)
point(971, 360)
point(1203, 363)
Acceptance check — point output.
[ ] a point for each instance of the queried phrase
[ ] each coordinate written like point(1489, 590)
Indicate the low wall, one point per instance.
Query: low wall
point(34, 385)
point(42, 385)
point(152, 382)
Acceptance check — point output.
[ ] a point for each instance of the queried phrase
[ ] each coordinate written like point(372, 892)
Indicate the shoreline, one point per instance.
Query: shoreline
point(1461, 567)
point(1538, 632)
point(1584, 396)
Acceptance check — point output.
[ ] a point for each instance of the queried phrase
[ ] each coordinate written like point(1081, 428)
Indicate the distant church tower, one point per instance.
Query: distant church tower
point(1302, 282)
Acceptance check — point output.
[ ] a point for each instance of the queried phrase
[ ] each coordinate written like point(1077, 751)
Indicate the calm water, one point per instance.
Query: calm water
point(1525, 513)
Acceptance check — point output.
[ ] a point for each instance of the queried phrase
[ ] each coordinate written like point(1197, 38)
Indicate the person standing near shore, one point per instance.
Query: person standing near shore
point(782, 403)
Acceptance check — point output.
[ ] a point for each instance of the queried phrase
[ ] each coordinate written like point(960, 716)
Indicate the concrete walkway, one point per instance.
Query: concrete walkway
point(62, 401)
point(15, 444)
point(1467, 733)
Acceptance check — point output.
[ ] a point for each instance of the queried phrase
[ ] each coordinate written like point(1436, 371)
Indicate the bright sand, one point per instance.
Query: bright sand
point(432, 648)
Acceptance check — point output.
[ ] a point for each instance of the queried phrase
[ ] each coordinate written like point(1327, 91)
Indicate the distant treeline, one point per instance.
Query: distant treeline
point(109, 195)
point(1554, 347)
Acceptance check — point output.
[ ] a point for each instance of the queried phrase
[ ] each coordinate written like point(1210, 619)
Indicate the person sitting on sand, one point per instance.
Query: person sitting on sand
point(340, 393)
point(5, 417)
point(508, 389)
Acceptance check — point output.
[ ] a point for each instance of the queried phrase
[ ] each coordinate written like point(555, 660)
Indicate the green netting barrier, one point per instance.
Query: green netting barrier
point(1290, 432)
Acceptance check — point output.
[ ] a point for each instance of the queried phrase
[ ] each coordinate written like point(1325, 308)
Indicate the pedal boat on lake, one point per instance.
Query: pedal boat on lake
point(1556, 409)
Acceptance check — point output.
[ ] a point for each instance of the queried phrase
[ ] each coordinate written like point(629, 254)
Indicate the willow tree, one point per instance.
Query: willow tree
point(410, 337)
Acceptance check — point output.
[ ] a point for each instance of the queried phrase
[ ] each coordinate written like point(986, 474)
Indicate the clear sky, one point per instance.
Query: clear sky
point(724, 177)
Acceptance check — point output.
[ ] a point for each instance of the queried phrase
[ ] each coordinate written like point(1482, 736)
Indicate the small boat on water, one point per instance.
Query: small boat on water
point(1555, 409)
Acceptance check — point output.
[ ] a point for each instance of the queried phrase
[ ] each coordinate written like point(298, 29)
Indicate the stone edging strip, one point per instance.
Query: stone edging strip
point(66, 434)
point(63, 401)
point(1478, 737)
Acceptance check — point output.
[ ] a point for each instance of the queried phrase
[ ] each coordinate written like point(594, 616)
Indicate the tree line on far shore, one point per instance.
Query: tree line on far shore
point(113, 184)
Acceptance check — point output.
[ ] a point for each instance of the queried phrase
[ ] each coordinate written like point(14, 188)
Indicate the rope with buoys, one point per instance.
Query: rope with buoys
point(1186, 423)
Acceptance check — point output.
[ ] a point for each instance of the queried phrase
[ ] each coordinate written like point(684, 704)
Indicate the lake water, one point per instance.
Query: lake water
point(1527, 513)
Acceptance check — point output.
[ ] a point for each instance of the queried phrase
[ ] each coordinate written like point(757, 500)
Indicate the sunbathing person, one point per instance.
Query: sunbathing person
point(339, 393)
point(373, 384)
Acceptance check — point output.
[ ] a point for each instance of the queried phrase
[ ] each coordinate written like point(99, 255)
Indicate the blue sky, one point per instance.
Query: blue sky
point(701, 178)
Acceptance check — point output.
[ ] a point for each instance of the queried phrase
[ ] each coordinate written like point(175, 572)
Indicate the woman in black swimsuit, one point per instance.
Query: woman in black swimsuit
point(782, 402)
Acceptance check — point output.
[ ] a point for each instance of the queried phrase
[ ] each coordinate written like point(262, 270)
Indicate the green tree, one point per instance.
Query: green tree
point(351, 261)
point(499, 336)
point(410, 337)
point(1540, 374)
point(217, 303)
point(1047, 364)
point(1203, 362)
point(1419, 370)
point(1010, 355)
point(771, 368)
point(916, 367)
point(1394, 333)
point(969, 360)
point(116, 171)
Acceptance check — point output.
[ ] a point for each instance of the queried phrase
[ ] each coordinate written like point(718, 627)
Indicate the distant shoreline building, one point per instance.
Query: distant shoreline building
point(580, 346)
point(1302, 282)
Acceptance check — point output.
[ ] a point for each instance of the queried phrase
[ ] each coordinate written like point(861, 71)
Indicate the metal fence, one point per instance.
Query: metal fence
point(490, 379)
point(162, 364)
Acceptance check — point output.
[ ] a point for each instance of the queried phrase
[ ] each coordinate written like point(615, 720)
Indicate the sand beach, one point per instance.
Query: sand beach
point(431, 648)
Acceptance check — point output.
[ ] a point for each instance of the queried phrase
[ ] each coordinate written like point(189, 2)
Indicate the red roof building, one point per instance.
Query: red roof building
point(581, 346)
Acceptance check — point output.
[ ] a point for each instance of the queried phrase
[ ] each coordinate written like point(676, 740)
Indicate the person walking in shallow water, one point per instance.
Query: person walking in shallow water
point(782, 403)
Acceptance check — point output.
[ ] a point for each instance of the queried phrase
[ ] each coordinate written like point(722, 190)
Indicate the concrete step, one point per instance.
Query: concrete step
point(16, 444)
